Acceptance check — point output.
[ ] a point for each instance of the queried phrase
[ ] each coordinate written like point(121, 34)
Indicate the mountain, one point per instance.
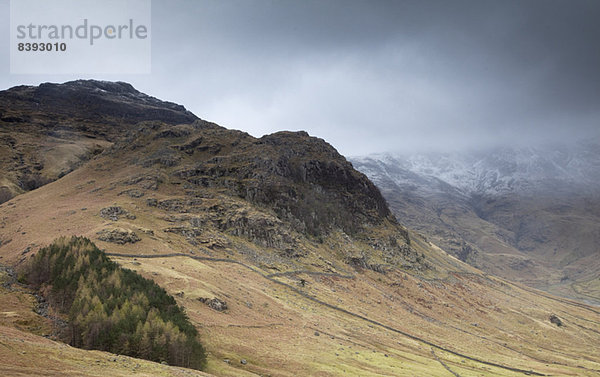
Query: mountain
point(286, 259)
point(527, 214)
point(48, 130)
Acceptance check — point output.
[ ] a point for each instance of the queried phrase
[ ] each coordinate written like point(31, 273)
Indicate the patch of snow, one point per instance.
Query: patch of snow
point(495, 172)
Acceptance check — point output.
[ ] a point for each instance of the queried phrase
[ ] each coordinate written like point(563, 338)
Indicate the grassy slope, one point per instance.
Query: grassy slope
point(273, 326)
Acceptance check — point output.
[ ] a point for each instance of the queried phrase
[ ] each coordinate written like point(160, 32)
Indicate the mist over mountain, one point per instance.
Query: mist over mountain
point(528, 214)
point(501, 169)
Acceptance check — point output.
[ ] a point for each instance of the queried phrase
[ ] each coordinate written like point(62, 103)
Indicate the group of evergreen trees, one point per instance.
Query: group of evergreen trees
point(111, 308)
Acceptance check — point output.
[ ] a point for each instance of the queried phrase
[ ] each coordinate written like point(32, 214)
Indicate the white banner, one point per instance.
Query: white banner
point(80, 36)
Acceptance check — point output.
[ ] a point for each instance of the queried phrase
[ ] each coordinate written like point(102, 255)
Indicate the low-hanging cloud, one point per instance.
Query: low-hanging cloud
point(371, 76)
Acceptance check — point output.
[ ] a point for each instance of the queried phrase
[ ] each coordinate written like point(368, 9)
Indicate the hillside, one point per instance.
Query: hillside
point(527, 214)
point(286, 259)
point(49, 130)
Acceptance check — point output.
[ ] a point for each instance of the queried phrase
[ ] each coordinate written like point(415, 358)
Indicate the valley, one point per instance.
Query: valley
point(527, 214)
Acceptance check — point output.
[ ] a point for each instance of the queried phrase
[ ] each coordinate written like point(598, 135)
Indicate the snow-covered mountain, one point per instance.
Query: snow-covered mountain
point(527, 214)
point(493, 172)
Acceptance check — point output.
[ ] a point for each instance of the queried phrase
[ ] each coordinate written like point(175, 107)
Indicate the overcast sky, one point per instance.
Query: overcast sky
point(373, 76)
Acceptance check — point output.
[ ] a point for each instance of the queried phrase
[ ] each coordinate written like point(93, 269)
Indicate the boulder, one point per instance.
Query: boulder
point(113, 213)
point(215, 303)
point(118, 235)
point(555, 320)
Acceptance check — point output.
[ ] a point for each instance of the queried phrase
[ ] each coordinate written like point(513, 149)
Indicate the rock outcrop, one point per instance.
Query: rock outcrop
point(118, 235)
point(214, 303)
point(114, 212)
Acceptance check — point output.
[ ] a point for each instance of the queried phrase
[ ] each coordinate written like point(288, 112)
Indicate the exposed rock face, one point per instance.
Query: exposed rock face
point(180, 205)
point(270, 191)
point(303, 179)
point(266, 231)
point(145, 181)
point(231, 218)
point(214, 303)
point(555, 320)
point(118, 235)
point(133, 193)
point(163, 157)
point(332, 192)
point(113, 213)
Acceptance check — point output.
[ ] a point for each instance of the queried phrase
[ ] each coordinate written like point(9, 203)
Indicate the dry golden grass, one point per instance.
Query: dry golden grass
point(24, 354)
point(450, 319)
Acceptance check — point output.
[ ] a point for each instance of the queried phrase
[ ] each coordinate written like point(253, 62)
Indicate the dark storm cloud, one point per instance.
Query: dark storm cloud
point(381, 75)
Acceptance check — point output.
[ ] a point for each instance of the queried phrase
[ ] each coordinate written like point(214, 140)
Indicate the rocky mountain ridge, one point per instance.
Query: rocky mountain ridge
point(297, 186)
point(86, 101)
point(49, 130)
